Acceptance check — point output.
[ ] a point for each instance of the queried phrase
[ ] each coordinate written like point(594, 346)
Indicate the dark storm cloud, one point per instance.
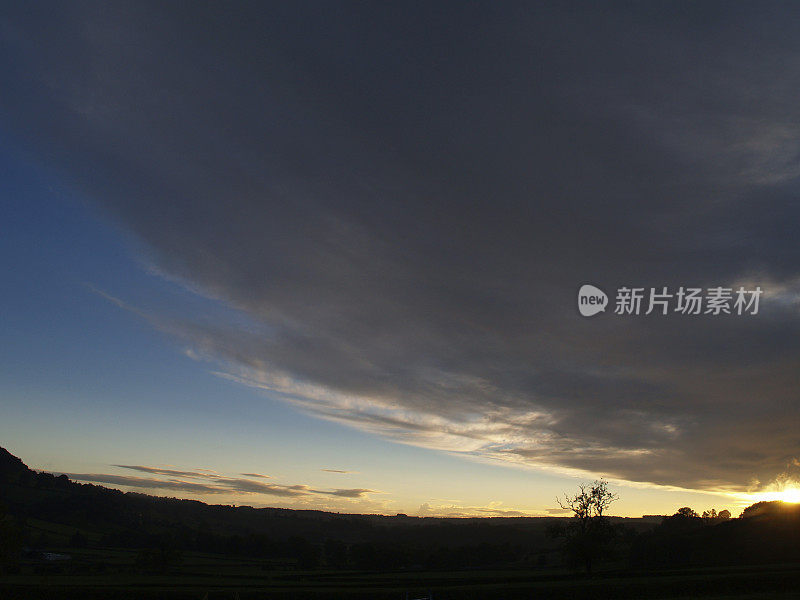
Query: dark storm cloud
point(405, 199)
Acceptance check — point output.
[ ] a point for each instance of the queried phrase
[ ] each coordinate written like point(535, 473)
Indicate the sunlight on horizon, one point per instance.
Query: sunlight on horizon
point(790, 495)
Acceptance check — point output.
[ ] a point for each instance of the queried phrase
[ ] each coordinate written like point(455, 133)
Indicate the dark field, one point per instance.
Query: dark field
point(59, 539)
point(109, 574)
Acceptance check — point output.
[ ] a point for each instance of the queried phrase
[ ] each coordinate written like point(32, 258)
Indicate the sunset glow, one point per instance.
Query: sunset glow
point(788, 494)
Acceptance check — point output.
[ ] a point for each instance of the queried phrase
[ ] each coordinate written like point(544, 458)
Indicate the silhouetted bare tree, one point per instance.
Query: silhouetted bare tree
point(589, 532)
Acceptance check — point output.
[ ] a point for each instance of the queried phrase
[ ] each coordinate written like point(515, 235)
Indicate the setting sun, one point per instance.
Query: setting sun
point(788, 494)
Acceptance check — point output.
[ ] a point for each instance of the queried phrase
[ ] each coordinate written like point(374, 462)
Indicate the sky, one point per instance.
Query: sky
point(327, 255)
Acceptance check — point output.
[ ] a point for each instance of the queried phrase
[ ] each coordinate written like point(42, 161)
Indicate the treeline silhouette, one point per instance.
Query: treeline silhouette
point(161, 530)
point(766, 533)
point(167, 527)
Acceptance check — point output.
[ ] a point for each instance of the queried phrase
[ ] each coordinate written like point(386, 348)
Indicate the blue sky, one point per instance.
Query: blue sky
point(269, 240)
point(88, 385)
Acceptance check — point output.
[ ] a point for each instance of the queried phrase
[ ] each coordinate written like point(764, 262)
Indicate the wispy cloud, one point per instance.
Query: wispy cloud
point(148, 483)
point(558, 511)
point(160, 471)
point(351, 493)
point(215, 483)
point(454, 510)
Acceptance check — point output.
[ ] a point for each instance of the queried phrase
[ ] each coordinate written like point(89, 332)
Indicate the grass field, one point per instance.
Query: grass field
point(108, 574)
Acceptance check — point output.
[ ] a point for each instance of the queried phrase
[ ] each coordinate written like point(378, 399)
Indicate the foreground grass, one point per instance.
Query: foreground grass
point(108, 574)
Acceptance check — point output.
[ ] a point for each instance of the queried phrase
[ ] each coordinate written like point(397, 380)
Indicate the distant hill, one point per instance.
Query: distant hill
point(40, 488)
point(12, 469)
point(54, 512)
point(112, 518)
